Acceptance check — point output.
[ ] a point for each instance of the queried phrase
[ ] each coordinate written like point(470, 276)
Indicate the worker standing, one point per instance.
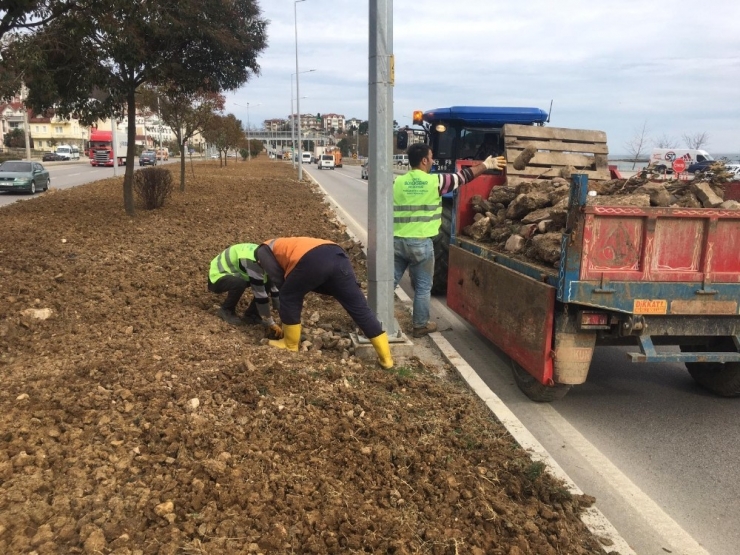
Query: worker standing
point(417, 216)
point(298, 265)
point(231, 272)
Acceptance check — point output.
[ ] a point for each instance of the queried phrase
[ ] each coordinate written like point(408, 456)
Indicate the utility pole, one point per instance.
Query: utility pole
point(380, 197)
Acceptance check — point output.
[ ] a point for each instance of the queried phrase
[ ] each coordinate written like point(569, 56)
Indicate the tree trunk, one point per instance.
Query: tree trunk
point(182, 166)
point(128, 178)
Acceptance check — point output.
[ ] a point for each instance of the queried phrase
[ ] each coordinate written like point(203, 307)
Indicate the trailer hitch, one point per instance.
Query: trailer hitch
point(633, 325)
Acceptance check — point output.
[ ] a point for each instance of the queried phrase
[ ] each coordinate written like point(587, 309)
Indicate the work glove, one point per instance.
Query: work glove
point(274, 331)
point(495, 163)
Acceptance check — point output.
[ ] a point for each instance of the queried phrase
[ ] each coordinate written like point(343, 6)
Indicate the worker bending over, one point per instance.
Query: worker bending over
point(298, 265)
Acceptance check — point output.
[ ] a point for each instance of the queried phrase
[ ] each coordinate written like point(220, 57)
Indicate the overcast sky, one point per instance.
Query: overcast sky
point(674, 65)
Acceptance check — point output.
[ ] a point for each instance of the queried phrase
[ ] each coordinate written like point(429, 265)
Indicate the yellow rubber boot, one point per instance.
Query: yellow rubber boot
point(383, 349)
point(291, 338)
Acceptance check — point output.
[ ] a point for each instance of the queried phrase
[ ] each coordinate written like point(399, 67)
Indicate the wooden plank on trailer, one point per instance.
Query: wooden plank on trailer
point(554, 145)
point(560, 133)
point(562, 159)
point(548, 173)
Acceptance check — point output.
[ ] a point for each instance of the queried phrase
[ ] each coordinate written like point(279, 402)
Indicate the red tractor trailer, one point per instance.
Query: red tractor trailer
point(101, 148)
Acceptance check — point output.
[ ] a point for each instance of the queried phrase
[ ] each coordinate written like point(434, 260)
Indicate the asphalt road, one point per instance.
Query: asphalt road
point(70, 174)
point(661, 455)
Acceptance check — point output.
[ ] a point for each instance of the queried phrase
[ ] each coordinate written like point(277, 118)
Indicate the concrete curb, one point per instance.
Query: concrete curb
point(592, 517)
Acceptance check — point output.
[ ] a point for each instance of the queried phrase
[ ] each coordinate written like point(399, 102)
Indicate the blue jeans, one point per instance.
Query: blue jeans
point(416, 254)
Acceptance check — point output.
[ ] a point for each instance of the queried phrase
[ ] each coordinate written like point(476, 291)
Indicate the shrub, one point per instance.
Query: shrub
point(153, 186)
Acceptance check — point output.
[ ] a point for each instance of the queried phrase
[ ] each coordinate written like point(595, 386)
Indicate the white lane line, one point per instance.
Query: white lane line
point(675, 537)
point(593, 518)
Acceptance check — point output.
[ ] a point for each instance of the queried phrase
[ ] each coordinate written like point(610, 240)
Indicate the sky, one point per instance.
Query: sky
point(670, 67)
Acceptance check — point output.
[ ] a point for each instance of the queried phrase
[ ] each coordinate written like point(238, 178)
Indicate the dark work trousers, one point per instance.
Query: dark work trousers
point(326, 269)
point(234, 286)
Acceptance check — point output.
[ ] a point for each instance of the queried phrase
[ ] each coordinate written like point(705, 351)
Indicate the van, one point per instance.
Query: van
point(326, 162)
point(65, 152)
point(666, 156)
point(306, 158)
point(163, 153)
point(400, 159)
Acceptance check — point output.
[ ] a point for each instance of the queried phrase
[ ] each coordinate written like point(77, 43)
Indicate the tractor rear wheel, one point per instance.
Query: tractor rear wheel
point(442, 249)
point(535, 390)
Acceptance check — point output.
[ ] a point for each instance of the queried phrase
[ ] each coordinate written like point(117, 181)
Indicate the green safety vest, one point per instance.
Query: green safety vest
point(417, 206)
point(227, 263)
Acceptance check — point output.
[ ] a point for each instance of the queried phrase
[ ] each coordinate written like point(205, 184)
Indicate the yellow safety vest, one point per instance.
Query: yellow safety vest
point(417, 206)
point(227, 263)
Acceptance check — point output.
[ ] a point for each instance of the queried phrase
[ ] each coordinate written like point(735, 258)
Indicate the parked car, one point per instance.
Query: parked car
point(51, 157)
point(364, 169)
point(18, 176)
point(734, 169)
point(698, 167)
point(148, 158)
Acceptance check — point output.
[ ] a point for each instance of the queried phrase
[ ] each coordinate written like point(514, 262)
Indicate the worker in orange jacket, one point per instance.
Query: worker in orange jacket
point(298, 265)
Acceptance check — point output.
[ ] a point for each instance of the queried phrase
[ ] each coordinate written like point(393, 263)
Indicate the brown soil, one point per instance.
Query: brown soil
point(134, 421)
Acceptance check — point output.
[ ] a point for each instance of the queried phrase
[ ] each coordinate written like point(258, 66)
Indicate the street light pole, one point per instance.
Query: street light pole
point(297, 89)
point(292, 115)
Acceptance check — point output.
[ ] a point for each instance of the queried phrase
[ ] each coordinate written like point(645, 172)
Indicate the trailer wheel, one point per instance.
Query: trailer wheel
point(442, 249)
point(535, 390)
point(722, 379)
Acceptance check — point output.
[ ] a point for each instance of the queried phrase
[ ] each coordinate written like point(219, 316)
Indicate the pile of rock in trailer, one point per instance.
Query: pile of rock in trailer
point(529, 219)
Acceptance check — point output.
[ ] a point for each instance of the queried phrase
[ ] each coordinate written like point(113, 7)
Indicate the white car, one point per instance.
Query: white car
point(326, 162)
point(734, 169)
point(364, 170)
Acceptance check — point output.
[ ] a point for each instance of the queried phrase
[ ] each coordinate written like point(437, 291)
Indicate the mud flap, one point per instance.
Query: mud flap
point(573, 351)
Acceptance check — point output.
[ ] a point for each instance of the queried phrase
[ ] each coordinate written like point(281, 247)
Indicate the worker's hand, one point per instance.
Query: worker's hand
point(274, 331)
point(495, 163)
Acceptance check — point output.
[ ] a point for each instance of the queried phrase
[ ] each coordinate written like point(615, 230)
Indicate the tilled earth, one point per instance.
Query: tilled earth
point(134, 421)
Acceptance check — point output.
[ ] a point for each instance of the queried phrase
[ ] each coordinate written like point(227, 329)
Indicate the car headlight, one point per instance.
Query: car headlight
point(21, 181)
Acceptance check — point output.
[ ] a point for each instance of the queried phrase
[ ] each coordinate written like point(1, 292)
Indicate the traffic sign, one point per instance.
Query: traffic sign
point(679, 165)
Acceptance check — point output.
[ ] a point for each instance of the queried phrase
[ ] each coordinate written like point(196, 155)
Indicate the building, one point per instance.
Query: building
point(333, 121)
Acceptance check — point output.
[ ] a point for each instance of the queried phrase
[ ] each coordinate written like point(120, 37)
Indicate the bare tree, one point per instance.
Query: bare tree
point(637, 144)
point(665, 141)
point(697, 140)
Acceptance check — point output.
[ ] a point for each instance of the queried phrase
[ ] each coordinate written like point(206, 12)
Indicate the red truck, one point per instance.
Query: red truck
point(101, 148)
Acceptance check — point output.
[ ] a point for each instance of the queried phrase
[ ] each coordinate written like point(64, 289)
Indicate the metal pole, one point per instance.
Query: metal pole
point(298, 92)
point(380, 193)
point(249, 146)
point(114, 143)
point(26, 127)
point(292, 120)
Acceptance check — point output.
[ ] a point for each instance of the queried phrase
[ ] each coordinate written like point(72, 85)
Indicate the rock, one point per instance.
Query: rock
point(527, 230)
point(480, 229)
point(559, 193)
point(689, 201)
point(515, 244)
point(659, 196)
point(547, 246)
point(521, 161)
point(619, 200)
point(480, 204)
point(706, 195)
point(164, 508)
point(524, 204)
point(537, 216)
point(567, 171)
point(37, 313)
point(730, 205)
point(95, 542)
point(193, 404)
point(502, 195)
